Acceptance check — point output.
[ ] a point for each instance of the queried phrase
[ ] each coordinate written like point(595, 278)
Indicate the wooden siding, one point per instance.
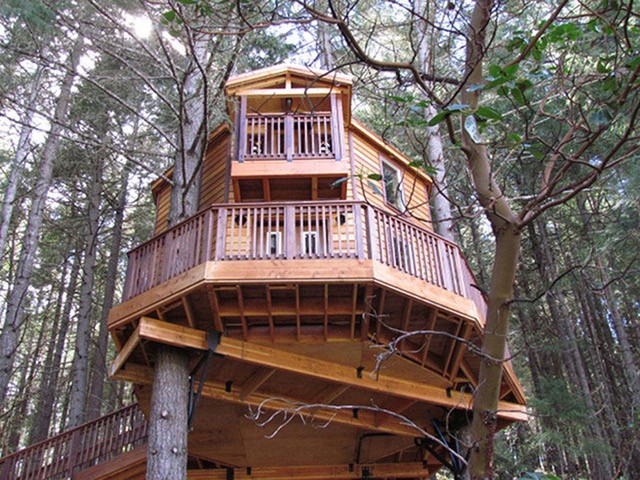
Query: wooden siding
point(214, 171)
point(163, 203)
point(367, 160)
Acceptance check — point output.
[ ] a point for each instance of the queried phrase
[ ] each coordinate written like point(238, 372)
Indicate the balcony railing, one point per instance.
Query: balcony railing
point(280, 136)
point(305, 230)
point(82, 447)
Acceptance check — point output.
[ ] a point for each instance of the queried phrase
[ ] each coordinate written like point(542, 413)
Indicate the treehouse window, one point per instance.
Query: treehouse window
point(275, 244)
point(392, 180)
point(310, 243)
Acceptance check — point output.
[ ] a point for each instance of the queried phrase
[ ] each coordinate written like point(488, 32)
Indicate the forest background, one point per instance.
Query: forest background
point(98, 98)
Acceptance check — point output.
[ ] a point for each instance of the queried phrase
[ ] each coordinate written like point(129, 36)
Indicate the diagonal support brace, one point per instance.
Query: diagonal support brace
point(213, 340)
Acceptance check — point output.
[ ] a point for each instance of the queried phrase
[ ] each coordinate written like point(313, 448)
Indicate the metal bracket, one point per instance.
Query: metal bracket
point(213, 340)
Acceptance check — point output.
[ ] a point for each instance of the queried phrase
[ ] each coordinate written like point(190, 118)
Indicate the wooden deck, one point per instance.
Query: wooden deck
point(305, 230)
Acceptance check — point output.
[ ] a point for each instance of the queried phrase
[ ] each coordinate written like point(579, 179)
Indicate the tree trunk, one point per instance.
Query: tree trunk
point(167, 448)
point(10, 337)
point(442, 216)
point(44, 398)
point(80, 367)
point(99, 358)
point(19, 160)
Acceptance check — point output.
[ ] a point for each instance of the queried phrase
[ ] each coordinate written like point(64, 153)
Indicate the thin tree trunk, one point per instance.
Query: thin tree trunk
point(19, 160)
point(10, 337)
point(80, 367)
point(40, 424)
point(99, 358)
point(442, 216)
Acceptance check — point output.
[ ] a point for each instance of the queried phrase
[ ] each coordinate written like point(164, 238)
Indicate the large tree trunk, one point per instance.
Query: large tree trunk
point(167, 448)
point(10, 337)
point(80, 367)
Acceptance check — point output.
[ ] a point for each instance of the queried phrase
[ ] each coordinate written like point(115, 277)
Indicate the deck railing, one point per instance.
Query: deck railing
point(280, 136)
point(304, 230)
point(82, 447)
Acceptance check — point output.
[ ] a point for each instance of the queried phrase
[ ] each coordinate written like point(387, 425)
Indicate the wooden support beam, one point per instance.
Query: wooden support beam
point(286, 92)
point(406, 316)
point(123, 354)
point(325, 321)
point(468, 372)
point(414, 470)
point(243, 320)
point(215, 308)
point(460, 349)
point(380, 312)
point(256, 381)
point(298, 323)
point(426, 344)
point(320, 414)
point(453, 343)
point(188, 310)
point(366, 314)
point(330, 393)
point(266, 189)
point(323, 370)
point(354, 305)
point(272, 331)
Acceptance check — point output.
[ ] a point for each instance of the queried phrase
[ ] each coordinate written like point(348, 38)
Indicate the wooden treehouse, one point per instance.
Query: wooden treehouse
point(295, 275)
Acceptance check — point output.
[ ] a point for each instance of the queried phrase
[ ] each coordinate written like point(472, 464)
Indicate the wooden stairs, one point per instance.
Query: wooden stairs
point(110, 447)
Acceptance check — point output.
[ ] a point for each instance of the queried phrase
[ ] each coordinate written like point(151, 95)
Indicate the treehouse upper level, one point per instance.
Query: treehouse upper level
point(312, 244)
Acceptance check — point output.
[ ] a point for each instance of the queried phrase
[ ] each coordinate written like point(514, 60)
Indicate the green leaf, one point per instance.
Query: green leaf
point(439, 117)
point(338, 182)
point(398, 99)
point(170, 15)
point(375, 176)
point(488, 112)
point(495, 71)
point(602, 68)
point(188, 2)
point(416, 163)
point(430, 170)
point(515, 137)
point(518, 96)
point(511, 70)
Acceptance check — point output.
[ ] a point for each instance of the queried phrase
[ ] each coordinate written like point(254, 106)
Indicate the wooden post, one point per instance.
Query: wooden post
point(242, 131)
point(371, 233)
point(221, 234)
point(357, 218)
point(288, 136)
point(337, 127)
point(289, 232)
point(208, 235)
